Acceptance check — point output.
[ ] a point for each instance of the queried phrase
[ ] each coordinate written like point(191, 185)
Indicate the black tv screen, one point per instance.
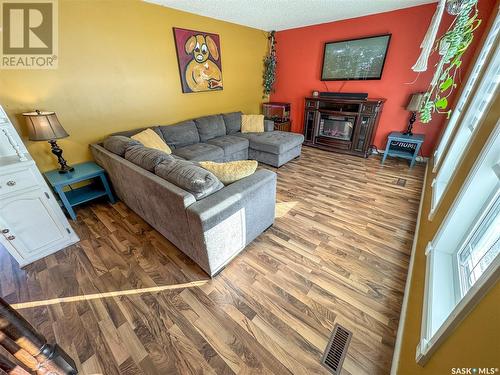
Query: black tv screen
point(355, 59)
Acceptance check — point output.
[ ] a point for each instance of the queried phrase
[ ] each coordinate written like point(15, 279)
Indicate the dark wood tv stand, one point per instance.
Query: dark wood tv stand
point(341, 125)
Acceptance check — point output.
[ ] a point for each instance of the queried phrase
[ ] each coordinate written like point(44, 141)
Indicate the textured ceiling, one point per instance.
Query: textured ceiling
point(286, 14)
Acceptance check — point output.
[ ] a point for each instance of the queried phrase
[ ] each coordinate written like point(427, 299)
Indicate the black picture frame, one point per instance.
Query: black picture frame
point(358, 78)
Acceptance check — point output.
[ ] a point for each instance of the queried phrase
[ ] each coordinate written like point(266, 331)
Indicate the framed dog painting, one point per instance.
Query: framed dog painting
point(198, 55)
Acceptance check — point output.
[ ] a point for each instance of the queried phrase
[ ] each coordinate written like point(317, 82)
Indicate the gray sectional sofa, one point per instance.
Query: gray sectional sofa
point(219, 138)
point(209, 222)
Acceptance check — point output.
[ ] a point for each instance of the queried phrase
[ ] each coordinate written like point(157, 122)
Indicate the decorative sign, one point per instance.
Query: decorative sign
point(403, 146)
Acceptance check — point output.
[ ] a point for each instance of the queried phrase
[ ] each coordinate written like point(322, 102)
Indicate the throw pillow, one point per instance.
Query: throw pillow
point(118, 144)
point(190, 177)
point(146, 157)
point(151, 139)
point(252, 123)
point(231, 171)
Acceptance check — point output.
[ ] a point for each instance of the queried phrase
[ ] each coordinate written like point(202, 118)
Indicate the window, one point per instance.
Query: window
point(467, 122)
point(469, 85)
point(481, 249)
point(463, 259)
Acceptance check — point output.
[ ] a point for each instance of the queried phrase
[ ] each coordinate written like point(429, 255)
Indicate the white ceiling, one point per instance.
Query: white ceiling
point(286, 14)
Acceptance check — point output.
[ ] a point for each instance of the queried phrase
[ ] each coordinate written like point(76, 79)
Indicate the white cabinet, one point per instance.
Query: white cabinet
point(29, 223)
point(32, 225)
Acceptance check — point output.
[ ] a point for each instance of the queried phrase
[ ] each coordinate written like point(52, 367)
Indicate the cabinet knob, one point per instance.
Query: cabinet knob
point(11, 183)
point(5, 231)
point(11, 237)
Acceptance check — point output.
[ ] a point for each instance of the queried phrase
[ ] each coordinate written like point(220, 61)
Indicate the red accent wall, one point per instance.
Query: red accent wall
point(300, 54)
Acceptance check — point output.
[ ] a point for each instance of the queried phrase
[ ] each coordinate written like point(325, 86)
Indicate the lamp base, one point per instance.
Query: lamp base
point(409, 129)
point(67, 169)
point(57, 151)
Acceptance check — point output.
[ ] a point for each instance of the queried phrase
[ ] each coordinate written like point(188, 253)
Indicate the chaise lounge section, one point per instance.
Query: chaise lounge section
point(274, 147)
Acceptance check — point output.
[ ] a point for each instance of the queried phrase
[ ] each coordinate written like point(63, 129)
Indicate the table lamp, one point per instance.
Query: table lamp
point(413, 107)
point(45, 126)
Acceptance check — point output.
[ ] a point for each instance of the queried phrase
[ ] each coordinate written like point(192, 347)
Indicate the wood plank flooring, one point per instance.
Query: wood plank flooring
point(337, 253)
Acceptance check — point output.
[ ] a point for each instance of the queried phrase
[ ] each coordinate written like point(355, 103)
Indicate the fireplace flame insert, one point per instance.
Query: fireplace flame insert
point(336, 127)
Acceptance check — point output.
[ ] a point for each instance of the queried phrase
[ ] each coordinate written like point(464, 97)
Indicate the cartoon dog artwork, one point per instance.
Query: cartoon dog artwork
point(199, 60)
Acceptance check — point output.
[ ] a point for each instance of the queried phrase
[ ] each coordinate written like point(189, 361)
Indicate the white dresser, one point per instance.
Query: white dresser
point(32, 224)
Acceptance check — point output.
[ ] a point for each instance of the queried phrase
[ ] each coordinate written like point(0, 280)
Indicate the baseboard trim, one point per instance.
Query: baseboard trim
point(402, 317)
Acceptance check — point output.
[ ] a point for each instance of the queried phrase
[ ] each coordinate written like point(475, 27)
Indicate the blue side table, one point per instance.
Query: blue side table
point(97, 187)
point(403, 146)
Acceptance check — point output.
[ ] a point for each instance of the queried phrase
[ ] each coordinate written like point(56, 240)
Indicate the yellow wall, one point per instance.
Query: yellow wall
point(476, 341)
point(118, 71)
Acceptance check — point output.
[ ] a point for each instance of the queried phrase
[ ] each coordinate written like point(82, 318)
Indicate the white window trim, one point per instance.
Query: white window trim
point(436, 199)
point(426, 346)
point(447, 134)
point(429, 343)
point(479, 220)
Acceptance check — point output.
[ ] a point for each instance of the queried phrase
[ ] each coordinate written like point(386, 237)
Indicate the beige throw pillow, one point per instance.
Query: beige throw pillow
point(231, 171)
point(252, 123)
point(151, 139)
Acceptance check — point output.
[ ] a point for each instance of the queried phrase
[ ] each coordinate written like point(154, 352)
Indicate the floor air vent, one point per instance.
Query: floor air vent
point(336, 349)
point(401, 182)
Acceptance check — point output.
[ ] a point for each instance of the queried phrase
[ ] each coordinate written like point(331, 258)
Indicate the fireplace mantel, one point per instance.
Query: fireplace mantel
point(342, 125)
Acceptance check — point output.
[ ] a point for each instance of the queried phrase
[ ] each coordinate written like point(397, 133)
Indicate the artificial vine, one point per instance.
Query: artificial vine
point(270, 65)
point(451, 47)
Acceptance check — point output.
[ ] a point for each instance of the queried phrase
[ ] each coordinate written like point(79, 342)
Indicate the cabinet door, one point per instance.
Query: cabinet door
point(363, 134)
point(309, 125)
point(29, 223)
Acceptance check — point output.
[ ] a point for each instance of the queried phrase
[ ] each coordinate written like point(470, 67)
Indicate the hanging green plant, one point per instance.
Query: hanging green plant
point(270, 66)
point(451, 47)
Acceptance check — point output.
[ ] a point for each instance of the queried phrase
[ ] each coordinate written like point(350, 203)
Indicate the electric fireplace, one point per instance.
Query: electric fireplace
point(341, 124)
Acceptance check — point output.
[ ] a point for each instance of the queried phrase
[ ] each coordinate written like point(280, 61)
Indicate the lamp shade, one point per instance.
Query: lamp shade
point(44, 126)
point(415, 102)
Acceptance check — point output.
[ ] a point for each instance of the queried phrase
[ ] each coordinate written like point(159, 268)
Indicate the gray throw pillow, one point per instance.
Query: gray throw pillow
point(232, 121)
point(118, 144)
point(145, 157)
point(190, 177)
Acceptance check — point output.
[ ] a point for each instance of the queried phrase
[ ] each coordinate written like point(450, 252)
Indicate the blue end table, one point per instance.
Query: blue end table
point(403, 146)
point(97, 187)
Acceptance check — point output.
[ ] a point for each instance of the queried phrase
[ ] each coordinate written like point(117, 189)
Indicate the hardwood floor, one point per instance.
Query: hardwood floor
point(126, 301)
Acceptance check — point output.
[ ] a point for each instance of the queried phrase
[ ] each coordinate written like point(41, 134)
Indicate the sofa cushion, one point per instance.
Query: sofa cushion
point(231, 171)
point(150, 138)
point(210, 127)
point(118, 144)
point(232, 121)
point(200, 151)
point(181, 134)
point(268, 125)
point(145, 157)
point(230, 144)
point(190, 177)
point(275, 142)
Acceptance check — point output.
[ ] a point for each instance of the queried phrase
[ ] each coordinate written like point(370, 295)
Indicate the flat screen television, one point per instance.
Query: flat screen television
point(355, 59)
